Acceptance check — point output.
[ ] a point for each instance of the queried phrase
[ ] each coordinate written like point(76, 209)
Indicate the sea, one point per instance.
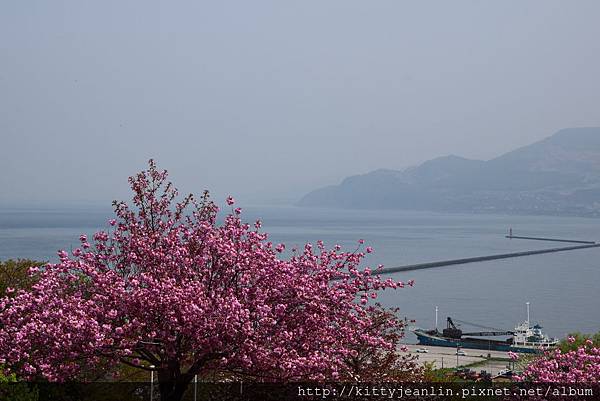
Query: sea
point(562, 288)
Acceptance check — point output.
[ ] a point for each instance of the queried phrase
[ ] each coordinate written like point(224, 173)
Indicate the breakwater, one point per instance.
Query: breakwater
point(550, 239)
point(462, 261)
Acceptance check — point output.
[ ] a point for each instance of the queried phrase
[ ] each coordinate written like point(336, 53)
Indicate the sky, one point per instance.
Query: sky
point(267, 100)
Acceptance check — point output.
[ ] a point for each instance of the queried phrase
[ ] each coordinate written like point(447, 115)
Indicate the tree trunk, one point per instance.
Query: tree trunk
point(172, 391)
point(172, 386)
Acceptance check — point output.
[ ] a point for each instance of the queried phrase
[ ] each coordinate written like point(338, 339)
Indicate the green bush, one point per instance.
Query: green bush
point(580, 339)
point(14, 274)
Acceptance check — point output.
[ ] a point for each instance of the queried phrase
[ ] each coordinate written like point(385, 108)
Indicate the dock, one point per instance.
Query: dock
point(445, 357)
point(462, 261)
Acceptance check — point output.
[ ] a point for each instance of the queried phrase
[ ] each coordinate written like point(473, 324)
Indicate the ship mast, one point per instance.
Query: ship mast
point(527, 303)
point(436, 318)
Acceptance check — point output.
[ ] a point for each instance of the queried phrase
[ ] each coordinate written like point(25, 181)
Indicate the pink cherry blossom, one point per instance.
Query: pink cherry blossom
point(581, 365)
point(171, 287)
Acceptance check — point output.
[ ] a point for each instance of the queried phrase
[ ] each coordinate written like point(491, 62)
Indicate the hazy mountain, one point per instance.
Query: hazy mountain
point(558, 175)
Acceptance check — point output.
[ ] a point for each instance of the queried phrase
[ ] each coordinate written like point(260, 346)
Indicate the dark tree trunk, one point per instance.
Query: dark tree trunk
point(172, 382)
point(172, 386)
point(172, 391)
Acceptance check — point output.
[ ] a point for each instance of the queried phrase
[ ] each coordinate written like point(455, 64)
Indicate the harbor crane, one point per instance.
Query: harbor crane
point(452, 331)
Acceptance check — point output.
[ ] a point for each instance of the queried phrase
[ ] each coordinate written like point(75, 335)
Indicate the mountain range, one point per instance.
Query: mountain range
point(557, 175)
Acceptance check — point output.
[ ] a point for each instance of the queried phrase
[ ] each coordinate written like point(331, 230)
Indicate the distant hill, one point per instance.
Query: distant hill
point(558, 175)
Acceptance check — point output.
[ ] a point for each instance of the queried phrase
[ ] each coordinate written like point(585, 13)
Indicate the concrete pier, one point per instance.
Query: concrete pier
point(463, 261)
point(444, 357)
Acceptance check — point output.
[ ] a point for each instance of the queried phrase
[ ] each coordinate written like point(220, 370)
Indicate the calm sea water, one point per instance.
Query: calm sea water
point(562, 287)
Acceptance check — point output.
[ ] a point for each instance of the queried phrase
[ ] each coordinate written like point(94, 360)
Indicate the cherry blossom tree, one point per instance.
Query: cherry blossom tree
point(376, 364)
point(580, 365)
point(168, 288)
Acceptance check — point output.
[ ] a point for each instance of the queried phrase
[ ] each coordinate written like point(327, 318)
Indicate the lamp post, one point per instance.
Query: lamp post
point(152, 382)
point(457, 348)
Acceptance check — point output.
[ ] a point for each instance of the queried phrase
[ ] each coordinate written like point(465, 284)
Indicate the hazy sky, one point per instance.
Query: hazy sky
point(269, 99)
